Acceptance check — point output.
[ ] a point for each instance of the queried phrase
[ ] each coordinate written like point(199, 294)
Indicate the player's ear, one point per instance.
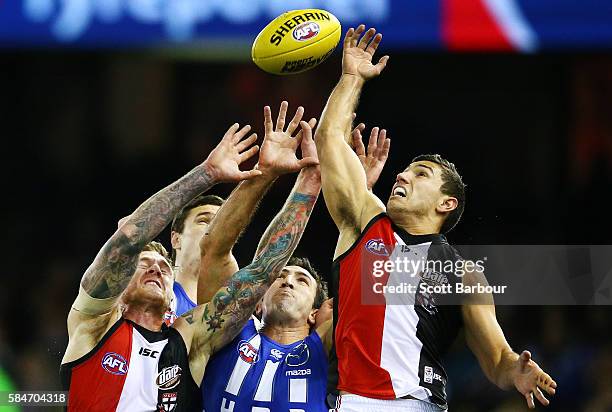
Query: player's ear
point(259, 308)
point(447, 204)
point(312, 317)
point(175, 240)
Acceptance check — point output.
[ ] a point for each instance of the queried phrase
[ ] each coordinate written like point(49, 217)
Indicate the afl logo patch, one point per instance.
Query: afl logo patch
point(247, 352)
point(306, 31)
point(169, 377)
point(377, 247)
point(114, 363)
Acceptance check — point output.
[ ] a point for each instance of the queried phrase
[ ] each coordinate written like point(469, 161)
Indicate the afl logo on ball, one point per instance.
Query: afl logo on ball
point(169, 377)
point(306, 31)
point(114, 363)
point(247, 352)
point(377, 247)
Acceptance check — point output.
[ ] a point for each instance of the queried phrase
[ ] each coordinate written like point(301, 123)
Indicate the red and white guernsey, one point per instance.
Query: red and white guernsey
point(132, 369)
point(388, 343)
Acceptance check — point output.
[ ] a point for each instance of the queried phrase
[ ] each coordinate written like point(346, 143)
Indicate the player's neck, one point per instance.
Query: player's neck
point(187, 274)
point(147, 317)
point(418, 225)
point(285, 335)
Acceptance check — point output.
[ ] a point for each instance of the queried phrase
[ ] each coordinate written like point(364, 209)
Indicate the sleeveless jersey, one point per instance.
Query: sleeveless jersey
point(255, 374)
point(132, 369)
point(389, 345)
point(181, 303)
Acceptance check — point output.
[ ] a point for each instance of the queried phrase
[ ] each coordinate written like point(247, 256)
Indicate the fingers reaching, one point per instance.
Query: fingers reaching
point(241, 133)
point(529, 398)
point(295, 121)
point(374, 44)
point(540, 396)
point(357, 140)
point(365, 40)
point(246, 142)
point(268, 124)
point(280, 121)
point(244, 156)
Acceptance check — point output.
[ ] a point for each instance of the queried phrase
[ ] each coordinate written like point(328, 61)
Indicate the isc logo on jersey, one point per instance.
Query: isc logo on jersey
point(377, 247)
point(247, 352)
point(169, 377)
point(114, 363)
point(306, 31)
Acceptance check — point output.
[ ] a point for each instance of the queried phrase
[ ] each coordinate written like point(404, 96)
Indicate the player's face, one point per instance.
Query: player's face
point(291, 296)
point(152, 281)
point(196, 224)
point(416, 190)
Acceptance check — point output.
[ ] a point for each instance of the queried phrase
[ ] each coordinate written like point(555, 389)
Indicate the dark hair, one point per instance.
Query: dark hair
point(304, 263)
point(178, 224)
point(452, 185)
point(159, 248)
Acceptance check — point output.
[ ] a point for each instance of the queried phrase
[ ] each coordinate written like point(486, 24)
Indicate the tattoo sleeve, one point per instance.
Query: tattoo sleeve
point(115, 263)
point(224, 316)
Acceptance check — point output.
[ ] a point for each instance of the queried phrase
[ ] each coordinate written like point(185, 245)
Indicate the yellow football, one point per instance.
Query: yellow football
point(296, 41)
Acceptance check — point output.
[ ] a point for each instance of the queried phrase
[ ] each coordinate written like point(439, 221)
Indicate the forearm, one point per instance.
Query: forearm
point(505, 371)
point(217, 263)
point(337, 116)
point(114, 265)
point(308, 182)
point(235, 215)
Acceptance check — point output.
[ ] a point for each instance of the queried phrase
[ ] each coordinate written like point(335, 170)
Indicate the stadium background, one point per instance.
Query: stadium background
point(90, 130)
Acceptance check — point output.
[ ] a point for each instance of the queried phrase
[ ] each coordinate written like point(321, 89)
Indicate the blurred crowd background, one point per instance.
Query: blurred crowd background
point(88, 135)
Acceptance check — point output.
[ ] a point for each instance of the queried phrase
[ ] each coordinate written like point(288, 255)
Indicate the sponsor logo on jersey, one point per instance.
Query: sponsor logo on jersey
point(247, 352)
point(429, 375)
point(169, 377)
point(114, 363)
point(278, 355)
point(148, 352)
point(377, 247)
point(298, 355)
point(168, 401)
point(298, 372)
point(306, 31)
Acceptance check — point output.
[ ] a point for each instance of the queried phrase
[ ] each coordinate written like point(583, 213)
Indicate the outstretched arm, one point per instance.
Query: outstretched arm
point(499, 362)
point(276, 157)
point(209, 327)
point(114, 265)
point(345, 188)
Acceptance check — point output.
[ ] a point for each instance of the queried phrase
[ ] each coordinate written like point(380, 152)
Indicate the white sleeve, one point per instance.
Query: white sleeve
point(92, 306)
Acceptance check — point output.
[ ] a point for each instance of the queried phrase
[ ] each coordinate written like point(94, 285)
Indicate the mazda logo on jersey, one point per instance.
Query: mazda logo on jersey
point(169, 377)
point(377, 247)
point(247, 352)
point(114, 363)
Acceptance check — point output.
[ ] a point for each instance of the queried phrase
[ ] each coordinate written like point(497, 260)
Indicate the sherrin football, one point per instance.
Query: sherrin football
point(296, 41)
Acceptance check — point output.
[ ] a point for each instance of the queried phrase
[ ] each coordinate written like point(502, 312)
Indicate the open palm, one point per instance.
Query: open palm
point(358, 53)
point(278, 151)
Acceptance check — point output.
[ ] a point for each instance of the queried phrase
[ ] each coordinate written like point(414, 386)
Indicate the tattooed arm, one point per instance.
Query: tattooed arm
point(277, 157)
point(209, 327)
point(114, 265)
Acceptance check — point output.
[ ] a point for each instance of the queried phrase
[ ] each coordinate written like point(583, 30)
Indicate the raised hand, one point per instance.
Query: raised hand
point(278, 151)
point(373, 161)
point(222, 163)
point(358, 53)
point(531, 380)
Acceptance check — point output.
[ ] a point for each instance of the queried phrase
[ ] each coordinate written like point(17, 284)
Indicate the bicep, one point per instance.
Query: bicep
point(344, 184)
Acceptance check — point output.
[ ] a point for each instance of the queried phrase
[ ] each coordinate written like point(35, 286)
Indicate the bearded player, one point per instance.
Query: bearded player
point(120, 355)
point(387, 354)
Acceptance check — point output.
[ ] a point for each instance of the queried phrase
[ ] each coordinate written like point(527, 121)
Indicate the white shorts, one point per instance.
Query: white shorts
point(356, 403)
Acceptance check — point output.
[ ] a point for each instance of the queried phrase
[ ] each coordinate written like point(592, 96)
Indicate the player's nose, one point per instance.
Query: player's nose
point(154, 269)
point(402, 177)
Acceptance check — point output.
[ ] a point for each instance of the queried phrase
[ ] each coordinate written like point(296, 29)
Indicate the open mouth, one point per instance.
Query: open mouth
point(399, 191)
point(154, 282)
